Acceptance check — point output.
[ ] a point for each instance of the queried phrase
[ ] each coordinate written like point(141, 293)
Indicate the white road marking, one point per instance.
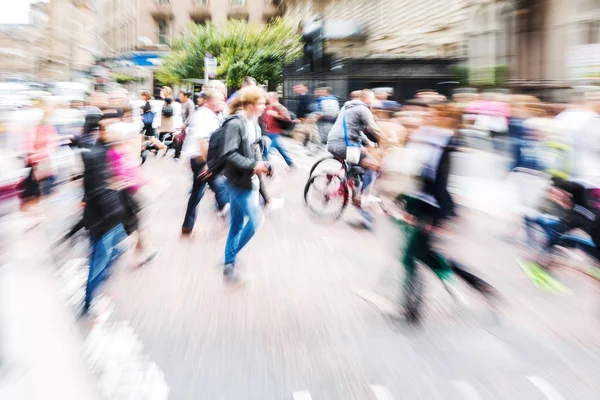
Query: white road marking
point(381, 392)
point(546, 388)
point(467, 390)
point(302, 395)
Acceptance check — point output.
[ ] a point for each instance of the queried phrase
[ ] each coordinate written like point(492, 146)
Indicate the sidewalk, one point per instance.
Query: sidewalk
point(41, 348)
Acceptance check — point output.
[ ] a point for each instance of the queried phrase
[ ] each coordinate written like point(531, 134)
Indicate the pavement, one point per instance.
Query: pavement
point(41, 347)
point(300, 328)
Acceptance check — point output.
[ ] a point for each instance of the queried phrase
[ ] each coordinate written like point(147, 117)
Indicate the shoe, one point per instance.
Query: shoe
point(225, 211)
point(149, 256)
point(186, 231)
point(229, 275)
point(274, 204)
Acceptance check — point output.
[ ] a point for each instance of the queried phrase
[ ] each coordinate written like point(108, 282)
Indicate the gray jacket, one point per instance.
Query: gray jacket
point(358, 118)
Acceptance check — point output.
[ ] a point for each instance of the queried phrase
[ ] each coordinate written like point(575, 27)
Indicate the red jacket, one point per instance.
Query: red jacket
point(272, 124)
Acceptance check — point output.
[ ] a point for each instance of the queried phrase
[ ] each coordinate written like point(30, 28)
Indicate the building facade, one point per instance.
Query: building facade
point(136, 34)
point(390, 28)
point(56, 45)
point(534, 43)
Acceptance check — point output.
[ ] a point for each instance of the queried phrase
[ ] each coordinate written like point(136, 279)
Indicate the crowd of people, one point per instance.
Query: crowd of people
point(229, 140)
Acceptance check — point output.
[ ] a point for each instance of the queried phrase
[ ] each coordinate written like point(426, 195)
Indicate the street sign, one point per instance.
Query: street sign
point(583, 62)
point(210, 67)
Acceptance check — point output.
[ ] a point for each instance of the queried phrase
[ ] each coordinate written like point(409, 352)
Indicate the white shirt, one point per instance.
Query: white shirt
point(202, 124)
point(253, 132)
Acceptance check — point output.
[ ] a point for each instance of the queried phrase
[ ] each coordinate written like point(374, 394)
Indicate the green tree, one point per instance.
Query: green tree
point(241, 50)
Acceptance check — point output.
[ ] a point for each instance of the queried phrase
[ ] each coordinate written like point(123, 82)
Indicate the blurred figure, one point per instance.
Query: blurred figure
point(347, 132)
point(260, 143)
point(102, 217)
point(167, 125)
point(121, 137)
point(187, 110)
point(148, 119)
point(45, 142)
point(273, 117)
point(429, 208)
point(329, 108)
point(582, 126)
point(241, 170)
point(302, 112)
point(203, 123)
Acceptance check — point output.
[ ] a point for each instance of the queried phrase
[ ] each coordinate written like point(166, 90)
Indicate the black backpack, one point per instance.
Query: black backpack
point(214, 157)
point(167, 111)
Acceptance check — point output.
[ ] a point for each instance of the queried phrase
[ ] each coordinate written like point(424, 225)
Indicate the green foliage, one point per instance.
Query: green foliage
point(124, 79)
point(241, 50)
point(489, 76)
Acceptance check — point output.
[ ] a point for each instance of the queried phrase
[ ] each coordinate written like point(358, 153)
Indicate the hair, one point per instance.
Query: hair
point(168, 91)
point(246, 96)
point(302, 84)
point(235, 105)
point(366, 93)
point(218, 85)
point(355, 95)
point(185, 93)
point(212, 94)
point(327, 89)
point(146, 93)
point(248, 81)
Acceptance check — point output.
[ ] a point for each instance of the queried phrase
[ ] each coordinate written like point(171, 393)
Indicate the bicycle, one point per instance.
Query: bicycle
point(329, 186)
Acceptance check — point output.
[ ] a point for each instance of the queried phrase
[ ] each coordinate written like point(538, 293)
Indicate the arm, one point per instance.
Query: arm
point(370, 124)
point(189, 110)
point(283, 114)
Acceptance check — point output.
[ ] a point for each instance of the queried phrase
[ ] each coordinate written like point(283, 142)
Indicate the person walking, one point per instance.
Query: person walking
point(203, 123)
point(102, 216)
point(272, 119)
point(148, 120)
point(187, 110)
point(242, 169)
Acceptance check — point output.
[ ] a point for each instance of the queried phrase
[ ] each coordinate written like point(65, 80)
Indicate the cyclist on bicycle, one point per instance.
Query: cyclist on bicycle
point(346, 138)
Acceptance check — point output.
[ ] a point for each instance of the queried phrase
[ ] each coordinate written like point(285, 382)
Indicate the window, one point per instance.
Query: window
point(164, 2)
point(237, 3)
point(163, 32)
point(201, 2)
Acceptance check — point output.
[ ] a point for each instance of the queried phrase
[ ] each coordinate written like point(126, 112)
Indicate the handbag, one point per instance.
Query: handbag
point(352, 149)
point(148, 118)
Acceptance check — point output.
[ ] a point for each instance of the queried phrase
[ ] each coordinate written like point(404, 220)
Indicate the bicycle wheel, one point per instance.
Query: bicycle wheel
point(327, 195)
point(326, 165)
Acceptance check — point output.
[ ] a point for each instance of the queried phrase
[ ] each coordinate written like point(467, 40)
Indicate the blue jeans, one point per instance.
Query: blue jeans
point(553, 229)
point(244, 204)
point(275, 144)
point(105, 252)
point(217, 185)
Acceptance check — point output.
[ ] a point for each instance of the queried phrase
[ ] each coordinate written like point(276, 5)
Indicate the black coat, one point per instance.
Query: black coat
point(239, 153)
point(104, 208)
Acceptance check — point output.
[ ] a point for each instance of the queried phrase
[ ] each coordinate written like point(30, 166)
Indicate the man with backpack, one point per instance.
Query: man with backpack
point(204, 122)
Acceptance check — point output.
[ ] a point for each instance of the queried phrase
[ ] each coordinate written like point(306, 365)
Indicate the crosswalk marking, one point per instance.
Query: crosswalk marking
point(467, 390)
point(381, 392)
point(546, 388)
point(302, 395)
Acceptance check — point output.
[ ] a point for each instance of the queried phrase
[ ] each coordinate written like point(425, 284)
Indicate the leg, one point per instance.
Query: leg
point(255, 219)
point(198, 189)
point(275, 143)
point(99, 259)
point(236, 223)
point(217, 185)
